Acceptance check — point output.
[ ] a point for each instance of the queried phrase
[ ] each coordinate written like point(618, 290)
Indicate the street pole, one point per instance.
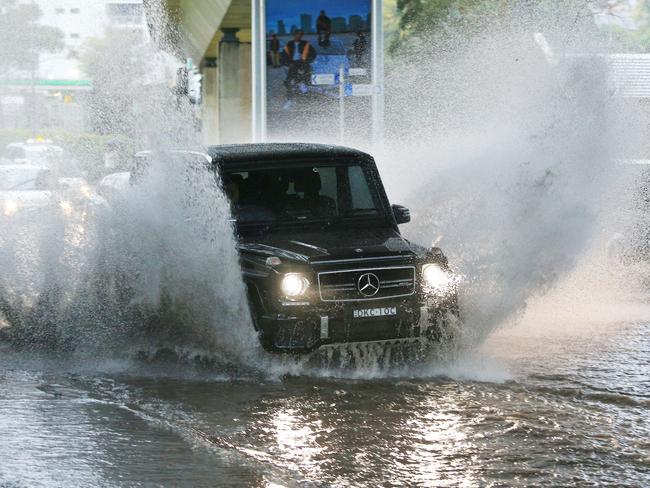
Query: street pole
point(378, 74)
point(259, 70)
point(32, 82)
point(341, 104)
point(32, 105)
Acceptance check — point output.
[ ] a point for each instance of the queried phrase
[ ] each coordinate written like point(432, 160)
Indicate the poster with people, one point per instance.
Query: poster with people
point(318, 59)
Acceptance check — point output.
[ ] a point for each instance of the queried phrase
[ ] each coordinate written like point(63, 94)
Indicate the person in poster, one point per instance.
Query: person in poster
point(298, 54)
point(361, 51)
point(274, 48)
point(318, 40)
point(324, 29)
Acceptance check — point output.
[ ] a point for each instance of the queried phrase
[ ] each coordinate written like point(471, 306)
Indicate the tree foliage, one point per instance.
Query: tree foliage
point(640, 38)
point(424, 15)
point(430, 18)
point(22, 38)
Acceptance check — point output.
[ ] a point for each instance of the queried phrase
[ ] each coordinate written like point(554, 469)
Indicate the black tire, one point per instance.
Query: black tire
point(255, 309)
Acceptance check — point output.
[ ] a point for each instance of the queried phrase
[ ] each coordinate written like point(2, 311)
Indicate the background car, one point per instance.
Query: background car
point(113, 186)
point(41, 152)
point(26, 189)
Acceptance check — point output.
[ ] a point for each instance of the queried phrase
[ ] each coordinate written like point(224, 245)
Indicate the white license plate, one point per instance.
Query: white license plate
point(368, 313)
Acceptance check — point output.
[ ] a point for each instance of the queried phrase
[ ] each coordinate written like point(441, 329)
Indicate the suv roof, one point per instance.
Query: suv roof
point(265, 152)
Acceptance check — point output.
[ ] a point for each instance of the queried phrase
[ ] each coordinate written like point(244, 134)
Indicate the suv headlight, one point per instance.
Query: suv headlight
point(437, 279)
point(294, 285)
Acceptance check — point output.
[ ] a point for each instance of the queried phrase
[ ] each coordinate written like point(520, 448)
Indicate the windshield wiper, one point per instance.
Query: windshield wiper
point(355, 211)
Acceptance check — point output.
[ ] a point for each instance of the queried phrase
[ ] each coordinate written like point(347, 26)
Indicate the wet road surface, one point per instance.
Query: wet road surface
point(527, 409)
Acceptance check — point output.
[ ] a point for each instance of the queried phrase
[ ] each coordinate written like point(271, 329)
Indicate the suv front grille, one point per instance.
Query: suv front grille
point(335, 286)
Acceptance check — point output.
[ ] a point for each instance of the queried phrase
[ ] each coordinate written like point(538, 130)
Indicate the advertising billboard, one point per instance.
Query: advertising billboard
point(317, 67)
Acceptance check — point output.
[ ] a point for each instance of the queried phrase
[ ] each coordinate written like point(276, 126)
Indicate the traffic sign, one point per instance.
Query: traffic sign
point(362, 90)
point(324, 79)
point(357, 72)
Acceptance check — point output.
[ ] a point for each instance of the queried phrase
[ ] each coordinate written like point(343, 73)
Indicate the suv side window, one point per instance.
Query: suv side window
point(360, 192)
point(329, 183)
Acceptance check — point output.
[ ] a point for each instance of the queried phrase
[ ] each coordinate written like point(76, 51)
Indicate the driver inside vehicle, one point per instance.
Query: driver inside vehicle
point(308, 183)
point(264, 195)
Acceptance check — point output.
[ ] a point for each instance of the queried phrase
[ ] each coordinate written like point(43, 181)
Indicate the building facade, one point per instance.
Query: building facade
point(53, 96)
point(80, 21)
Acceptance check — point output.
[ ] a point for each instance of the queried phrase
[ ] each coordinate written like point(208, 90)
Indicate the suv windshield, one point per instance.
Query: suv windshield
point(301, 193)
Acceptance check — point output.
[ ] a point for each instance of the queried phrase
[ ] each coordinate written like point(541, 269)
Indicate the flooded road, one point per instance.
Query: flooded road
point(504, 137)
point(527, 409)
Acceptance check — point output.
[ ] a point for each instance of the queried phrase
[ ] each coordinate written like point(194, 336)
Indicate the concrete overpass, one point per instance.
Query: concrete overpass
point(216, 34)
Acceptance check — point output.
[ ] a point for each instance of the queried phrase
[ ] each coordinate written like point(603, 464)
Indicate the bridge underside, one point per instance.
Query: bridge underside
point(216, 34)
point(199, 21)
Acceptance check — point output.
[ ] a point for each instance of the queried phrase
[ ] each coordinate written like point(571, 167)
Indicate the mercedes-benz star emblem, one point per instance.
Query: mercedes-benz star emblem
point(368, 284)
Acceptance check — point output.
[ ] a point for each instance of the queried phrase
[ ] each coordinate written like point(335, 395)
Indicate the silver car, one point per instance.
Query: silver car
point(26, 189)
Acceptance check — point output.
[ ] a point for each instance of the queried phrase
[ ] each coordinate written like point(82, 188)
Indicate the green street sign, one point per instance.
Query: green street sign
point(48, 83)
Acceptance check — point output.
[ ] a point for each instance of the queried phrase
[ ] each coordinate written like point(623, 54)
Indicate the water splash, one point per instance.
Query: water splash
point(159, 269)
point(511, 160)
point(511, 134)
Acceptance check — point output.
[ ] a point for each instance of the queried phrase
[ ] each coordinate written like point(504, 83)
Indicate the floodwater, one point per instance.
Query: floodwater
point(529, 408)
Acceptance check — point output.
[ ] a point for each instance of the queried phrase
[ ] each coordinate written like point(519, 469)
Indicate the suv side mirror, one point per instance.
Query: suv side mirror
point(402, 214)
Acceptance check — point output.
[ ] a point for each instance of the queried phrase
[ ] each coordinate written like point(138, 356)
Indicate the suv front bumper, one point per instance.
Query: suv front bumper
point(309, 328)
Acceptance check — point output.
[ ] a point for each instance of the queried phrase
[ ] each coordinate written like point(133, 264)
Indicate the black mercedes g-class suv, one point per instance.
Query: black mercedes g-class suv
point(322, 256)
